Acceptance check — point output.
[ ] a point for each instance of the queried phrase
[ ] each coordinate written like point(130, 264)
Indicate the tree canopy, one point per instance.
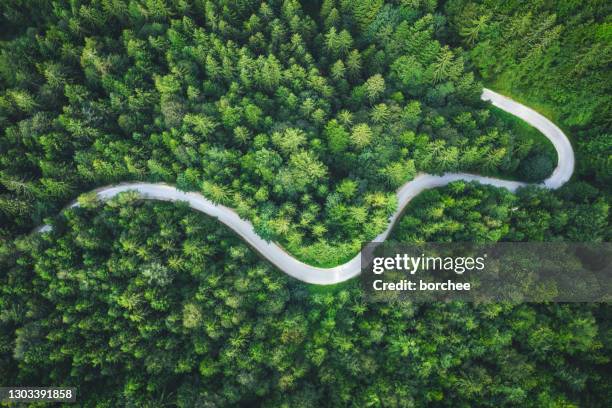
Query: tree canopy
point(304, 117)
point(261, 106)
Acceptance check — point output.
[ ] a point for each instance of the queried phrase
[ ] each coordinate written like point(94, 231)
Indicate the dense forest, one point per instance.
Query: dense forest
point(145, 304)
point(263, 107)
point(555, 55)
point(305, 117)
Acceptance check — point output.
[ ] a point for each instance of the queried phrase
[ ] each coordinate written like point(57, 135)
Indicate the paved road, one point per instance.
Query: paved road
point(326, 276)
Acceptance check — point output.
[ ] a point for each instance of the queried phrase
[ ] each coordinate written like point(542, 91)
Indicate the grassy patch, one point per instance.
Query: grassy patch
point(505, 87)
point(330, 289)
point(323, 254)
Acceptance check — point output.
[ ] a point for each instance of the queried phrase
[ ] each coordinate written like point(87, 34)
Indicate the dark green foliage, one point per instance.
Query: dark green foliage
point(595, 158)
point(536, 168)
point(144, 304)
point(463, 211)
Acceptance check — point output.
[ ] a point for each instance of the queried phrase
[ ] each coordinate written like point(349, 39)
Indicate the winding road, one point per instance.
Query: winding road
point(326, 276)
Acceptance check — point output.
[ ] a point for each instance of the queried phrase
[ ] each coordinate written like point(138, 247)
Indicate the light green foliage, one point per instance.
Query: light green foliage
point(361, 135)
point(192, 316)
point(337, 137)
point(289, 140)
point(374, 87)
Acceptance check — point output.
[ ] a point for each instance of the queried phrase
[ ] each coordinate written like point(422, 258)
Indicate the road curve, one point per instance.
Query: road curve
point(326, 276)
